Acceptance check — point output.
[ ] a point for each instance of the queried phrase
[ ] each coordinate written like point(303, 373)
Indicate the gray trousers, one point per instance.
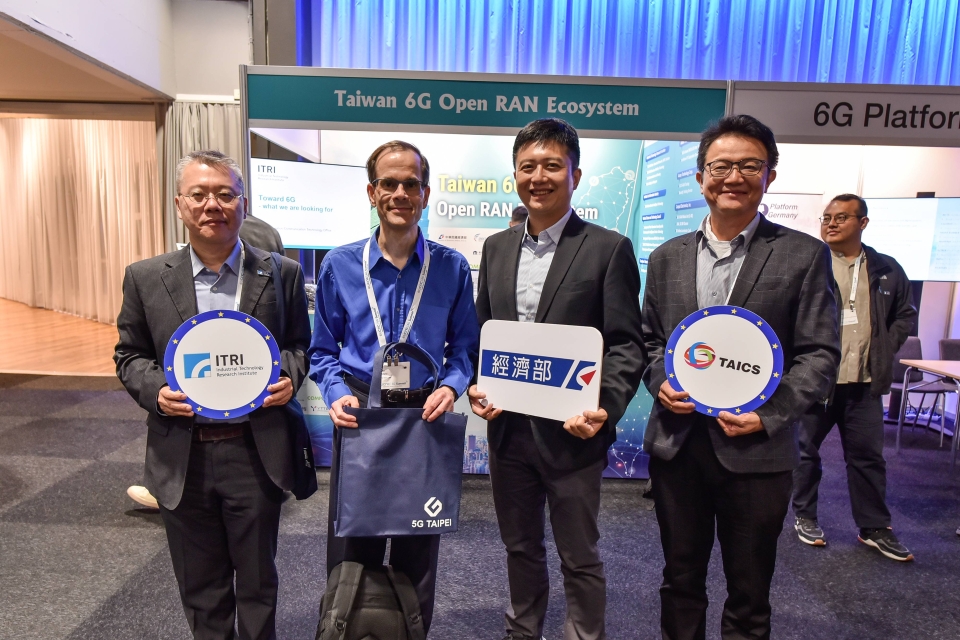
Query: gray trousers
point(522, 485)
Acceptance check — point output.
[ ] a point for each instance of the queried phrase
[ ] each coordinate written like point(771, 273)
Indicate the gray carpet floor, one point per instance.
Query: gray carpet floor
point(79, 561)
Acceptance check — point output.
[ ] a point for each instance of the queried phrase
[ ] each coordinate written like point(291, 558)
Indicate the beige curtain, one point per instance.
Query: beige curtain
point(192, 126)
point(78, 202)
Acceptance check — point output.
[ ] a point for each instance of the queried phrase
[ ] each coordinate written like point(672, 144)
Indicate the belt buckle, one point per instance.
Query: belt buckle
point(398, 395)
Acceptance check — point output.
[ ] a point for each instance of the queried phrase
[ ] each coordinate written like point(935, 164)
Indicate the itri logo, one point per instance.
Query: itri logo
point(699, 355)
point(196, 365)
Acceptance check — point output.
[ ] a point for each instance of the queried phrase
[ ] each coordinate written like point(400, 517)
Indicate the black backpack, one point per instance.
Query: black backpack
point(369, 604)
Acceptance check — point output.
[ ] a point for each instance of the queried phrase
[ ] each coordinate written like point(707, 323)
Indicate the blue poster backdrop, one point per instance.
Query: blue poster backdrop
point(636, 179)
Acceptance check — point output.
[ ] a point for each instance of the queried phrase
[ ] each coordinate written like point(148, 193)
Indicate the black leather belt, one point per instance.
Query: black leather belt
point(213, 433)
point(391, 396)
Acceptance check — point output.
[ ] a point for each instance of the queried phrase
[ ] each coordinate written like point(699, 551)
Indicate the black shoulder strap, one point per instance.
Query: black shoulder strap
point(408, 602)
point(281, 297)
point(349, 581)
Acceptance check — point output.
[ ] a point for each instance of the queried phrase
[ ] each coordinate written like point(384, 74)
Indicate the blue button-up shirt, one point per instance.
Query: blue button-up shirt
point(345, 340)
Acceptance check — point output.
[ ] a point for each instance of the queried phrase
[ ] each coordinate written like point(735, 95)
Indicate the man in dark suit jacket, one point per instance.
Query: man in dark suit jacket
point(219, 484)
point(732, 473)
point(557, 269)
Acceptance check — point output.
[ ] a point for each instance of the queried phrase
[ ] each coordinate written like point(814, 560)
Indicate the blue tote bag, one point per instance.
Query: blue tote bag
point(399, 474)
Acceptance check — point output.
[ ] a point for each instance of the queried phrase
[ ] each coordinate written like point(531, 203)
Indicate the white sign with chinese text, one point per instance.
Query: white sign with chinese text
point(545, 370)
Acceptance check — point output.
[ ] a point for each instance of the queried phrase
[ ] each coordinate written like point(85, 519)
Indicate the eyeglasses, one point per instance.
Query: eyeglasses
point(747, 168)
point(225, 199)
point(840, 218)
point(389, 185)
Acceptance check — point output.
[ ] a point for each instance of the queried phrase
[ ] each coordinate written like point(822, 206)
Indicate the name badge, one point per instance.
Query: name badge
point(396, 376)
point(849, 317)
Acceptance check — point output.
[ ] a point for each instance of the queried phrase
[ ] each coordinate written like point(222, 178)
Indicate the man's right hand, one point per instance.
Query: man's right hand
point(172, 403)
point(340, 417)
point(674, 400)
point(479, 404)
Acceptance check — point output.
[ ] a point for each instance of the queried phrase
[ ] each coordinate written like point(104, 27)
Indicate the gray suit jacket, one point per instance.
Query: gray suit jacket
point(158, 296)
point(786, 279)
point(593, 282)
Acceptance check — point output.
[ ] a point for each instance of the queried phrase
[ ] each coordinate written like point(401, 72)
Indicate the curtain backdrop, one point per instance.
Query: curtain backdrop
point(79, 202)
point(860, 41)
point(192, 126)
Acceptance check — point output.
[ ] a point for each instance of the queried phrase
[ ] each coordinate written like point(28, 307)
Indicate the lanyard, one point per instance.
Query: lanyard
point(243, 255)
point(372, 299)
point(856, 279)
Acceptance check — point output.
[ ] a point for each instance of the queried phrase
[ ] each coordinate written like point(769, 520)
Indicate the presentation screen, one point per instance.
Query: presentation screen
point(922, 234)
point(313, 206)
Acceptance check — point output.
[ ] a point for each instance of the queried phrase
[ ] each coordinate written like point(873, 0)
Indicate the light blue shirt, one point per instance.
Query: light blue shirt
point(216, 290)
point(536, 256)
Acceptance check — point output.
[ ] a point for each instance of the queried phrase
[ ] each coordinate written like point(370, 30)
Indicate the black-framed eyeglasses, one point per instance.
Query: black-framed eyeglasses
point(225, 199)
point(748, 168)
point(840, 218)
point(389, 185)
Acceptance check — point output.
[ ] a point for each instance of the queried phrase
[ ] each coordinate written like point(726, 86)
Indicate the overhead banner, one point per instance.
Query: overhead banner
point(299, 97)
point(854, 114)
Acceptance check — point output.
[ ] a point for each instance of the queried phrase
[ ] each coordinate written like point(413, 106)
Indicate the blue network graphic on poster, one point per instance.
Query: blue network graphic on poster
point(644, 189)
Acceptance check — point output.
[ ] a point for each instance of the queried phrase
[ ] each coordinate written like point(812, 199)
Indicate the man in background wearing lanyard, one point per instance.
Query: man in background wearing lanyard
point(219, 483)
point(395, 286)
point(876, 317)
point(732, 474)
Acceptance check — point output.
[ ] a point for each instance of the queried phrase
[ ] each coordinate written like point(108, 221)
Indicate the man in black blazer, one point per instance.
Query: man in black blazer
point(732, 473)
point(219, 484)
point(557, 269)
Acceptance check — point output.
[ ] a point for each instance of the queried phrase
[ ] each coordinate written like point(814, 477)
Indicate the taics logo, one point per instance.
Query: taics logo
point(699, 355)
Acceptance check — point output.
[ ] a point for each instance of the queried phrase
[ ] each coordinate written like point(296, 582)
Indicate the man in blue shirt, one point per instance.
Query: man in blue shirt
point(348, 332)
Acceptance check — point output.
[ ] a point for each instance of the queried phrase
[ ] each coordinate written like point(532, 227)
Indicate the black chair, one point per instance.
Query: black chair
point(950, 349)
point(912, 350)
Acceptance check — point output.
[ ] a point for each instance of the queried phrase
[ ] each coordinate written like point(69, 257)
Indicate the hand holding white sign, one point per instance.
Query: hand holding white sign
point(547, 370)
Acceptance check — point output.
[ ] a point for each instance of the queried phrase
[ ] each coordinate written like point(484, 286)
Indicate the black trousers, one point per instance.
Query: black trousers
point(225, 528)
point(415, 556)
point(859, 417)
point(694, 494)
point(522, 484)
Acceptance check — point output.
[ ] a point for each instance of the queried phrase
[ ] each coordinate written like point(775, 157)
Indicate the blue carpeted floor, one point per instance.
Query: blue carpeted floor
point(77, 560)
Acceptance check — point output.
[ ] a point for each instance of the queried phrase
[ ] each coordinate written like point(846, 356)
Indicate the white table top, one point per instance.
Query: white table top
point(948, 368)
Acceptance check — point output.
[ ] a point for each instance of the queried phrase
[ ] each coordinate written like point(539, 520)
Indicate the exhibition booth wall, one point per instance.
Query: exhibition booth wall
point(638, 158)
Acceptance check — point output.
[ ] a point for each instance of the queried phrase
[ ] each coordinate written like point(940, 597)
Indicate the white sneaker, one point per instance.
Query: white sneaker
point(140, 495)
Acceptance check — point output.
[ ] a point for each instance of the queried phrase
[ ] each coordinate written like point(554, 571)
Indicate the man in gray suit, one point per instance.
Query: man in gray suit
point(558, 269)
point(732, 473)
point(255, 232)
point(219, 483)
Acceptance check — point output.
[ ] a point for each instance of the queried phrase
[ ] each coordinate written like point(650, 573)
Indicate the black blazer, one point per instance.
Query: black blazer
point(593, 281)
point(158, 296)
point(786, 279)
